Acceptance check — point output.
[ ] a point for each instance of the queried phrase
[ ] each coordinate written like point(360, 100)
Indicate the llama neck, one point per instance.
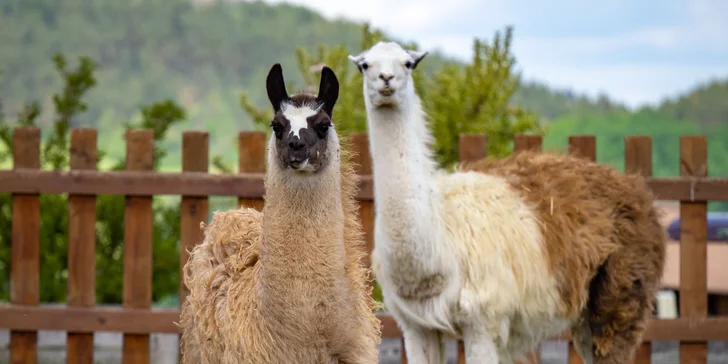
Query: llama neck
point(303, 225)
point(407, 196)
point(302, 254)
point(400, 154)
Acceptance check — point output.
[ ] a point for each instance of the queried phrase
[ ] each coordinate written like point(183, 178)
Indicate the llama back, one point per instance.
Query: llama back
point(587, 212)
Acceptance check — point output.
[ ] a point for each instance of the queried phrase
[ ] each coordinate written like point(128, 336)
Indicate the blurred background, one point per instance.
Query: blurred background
point(557, 68)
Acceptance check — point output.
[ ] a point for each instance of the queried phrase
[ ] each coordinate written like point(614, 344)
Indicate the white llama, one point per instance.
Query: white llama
point(502, 253)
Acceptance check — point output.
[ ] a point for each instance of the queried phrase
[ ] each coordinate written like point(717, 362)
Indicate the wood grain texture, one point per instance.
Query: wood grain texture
point(363, 162)
point(528, 142)
point(194, 209)
point(532, 143)
point(138, 244)
point(693, 246)
point(24, 267)
point(252, 156)
point(140, 321)
point(250, 185)
point(638, 160)
point(472, 147)
point(81, 246)
point(461, 352)
point(583, 146)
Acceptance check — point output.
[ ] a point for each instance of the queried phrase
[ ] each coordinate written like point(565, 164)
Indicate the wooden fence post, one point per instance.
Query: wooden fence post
point(472, 147)
point(138, 243)
point(638, 159)
point(24, 266)
point(583, 146)
point(528, 142)
point(81, 246)
point(194, 209)
point(533, 143)
point(693, 246)
point(360, 146)
point(461, 352)
point(251, 159)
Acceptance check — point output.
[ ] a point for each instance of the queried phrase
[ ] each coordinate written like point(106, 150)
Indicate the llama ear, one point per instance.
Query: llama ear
point(276, 87)
point(357, 60)
point(417, 56)
point(328, 90)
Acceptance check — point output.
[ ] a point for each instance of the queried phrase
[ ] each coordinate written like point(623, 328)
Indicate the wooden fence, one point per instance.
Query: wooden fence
point(80, 318)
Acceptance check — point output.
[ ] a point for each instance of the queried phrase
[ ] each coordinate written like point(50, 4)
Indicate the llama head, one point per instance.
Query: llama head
point(387, 70)
point(303, 138)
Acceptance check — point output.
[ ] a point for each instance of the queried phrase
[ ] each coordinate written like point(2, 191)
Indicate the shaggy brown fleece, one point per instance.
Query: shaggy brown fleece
point(239, 313)
point(604, 242)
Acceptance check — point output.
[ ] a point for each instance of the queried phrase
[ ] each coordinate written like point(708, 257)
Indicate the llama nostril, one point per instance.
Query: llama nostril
point(296, 144)
point(386, 76)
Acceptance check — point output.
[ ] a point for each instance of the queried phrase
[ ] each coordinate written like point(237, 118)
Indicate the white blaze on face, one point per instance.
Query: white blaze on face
point(297, 116)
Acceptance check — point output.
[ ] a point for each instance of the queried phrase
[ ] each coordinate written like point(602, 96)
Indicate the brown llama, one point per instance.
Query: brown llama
point(287, 285)
point(502, 253)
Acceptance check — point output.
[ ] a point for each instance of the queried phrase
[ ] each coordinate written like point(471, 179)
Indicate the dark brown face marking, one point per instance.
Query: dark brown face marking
point(301, 122)
point(301, 133)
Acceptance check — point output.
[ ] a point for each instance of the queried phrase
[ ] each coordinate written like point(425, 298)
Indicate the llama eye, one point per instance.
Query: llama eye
point(277, 129)
point(364, 65)
point(408, 64)
point(322, 128)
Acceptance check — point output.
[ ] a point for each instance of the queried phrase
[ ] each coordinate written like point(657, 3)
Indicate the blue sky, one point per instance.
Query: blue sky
point(637, 52)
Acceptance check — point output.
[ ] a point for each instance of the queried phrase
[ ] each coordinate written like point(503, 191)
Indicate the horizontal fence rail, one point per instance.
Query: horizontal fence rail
point(136, 320)
point(143, 321)
point(250, 185)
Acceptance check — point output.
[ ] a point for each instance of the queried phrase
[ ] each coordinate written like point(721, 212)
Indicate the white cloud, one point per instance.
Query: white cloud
point(460, 47)
point(404, 18)
point(708, 23)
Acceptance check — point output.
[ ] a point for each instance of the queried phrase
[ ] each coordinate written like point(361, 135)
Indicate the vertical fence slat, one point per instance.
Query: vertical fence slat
point(194, 209)
point(81, 246)
point(533, 143)
point(527, 142)
point(195, 150)
point(472, 147)
point(363, 159)
point(638, 159)
point(461, 352)
point(251, 159)
point(693, 245)
point(138, 243)
point(24, 266)
point(583, 146)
